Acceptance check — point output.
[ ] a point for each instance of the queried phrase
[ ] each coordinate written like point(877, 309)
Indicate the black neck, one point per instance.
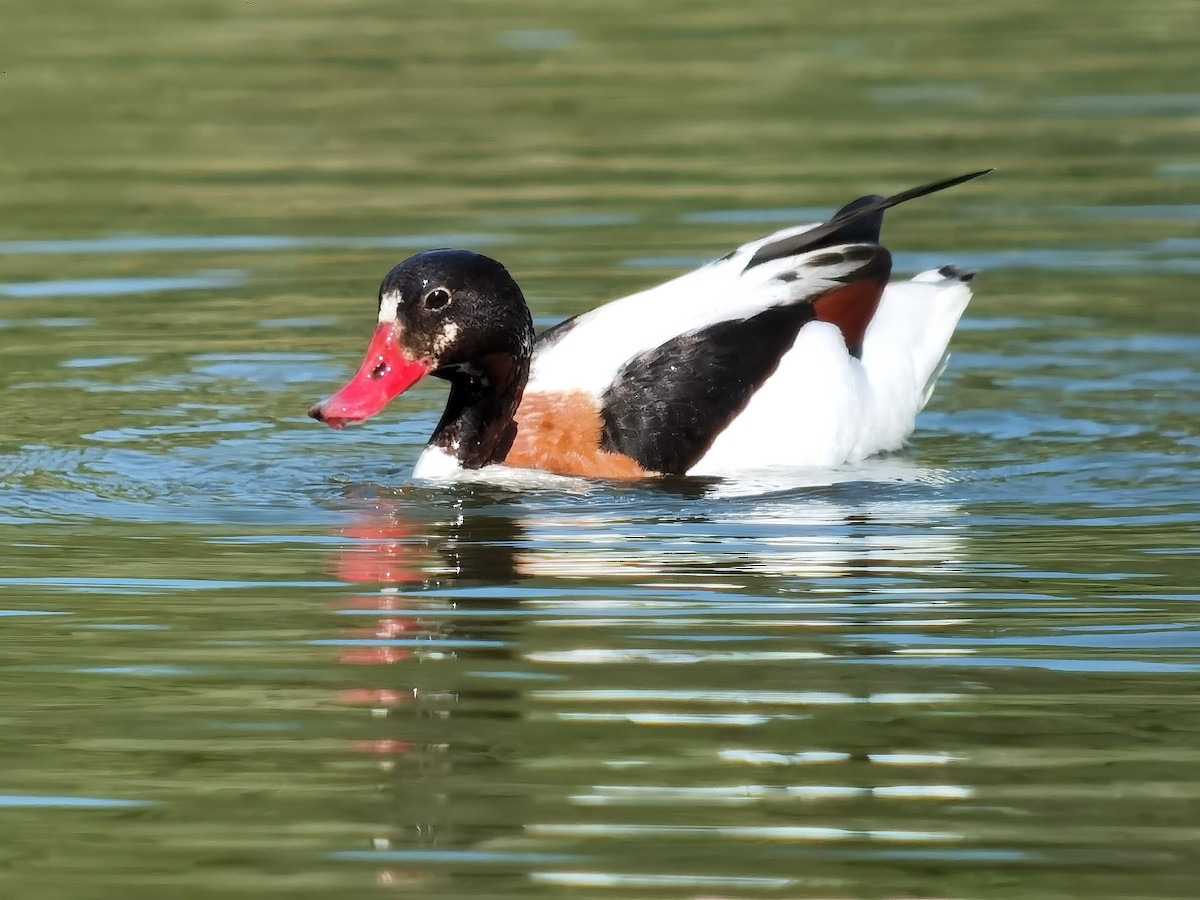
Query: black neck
point(477, 427)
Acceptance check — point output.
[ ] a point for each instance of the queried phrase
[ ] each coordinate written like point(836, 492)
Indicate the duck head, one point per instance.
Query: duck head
point(453, 314)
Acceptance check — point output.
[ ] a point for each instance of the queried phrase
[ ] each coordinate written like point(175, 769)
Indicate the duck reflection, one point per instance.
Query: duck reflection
point(555, 678)
point(420, 554)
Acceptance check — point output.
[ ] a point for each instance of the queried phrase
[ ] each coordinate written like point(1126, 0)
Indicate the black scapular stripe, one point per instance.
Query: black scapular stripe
point(668, 405)
point(554, 333)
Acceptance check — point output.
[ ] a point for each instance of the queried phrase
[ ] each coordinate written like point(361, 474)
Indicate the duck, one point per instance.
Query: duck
point(795, 350)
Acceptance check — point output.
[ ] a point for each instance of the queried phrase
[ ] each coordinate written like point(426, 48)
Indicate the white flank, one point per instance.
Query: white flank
point(904, 351)
point(807, 413)
point(823, 407)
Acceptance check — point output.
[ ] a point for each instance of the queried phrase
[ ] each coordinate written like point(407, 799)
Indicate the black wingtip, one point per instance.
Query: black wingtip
point(956, 273)
point(932, 188)
point(845, 227)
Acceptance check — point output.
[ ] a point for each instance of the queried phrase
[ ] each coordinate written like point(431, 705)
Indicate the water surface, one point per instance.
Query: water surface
point(243, 656)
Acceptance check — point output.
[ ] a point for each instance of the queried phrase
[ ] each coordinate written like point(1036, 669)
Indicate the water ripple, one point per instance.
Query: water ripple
point(249, 243)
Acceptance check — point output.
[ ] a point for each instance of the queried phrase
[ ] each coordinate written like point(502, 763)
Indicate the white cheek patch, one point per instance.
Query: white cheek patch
point(387, 307)
point(445, 338)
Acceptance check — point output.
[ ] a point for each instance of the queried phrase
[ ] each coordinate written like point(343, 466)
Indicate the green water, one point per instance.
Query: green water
point(241, 657)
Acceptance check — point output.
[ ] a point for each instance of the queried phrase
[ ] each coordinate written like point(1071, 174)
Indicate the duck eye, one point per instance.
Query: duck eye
point(437, 298)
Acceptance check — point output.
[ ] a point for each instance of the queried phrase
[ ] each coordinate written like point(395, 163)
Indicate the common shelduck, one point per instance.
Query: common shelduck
point(793, 350)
